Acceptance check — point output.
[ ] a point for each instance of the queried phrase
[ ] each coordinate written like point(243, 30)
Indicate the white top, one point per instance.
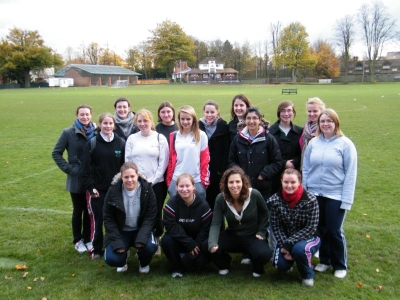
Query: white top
point(188, 155)
point(149, 153)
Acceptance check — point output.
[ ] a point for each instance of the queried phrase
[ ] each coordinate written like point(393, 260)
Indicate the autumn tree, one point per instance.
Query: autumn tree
point(378, 28)
point(344, 36)
point(226, 55)
point(169, 43)
point(133, 58)
point(293, 50)
point(327, 65)
point(200, 52)
point(93, 53)
point(108, 57)
point(275, 31)
point(22, 51)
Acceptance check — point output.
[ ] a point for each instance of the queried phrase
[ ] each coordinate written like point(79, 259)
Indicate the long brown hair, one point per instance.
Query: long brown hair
point(240, 97)
point(223, 185)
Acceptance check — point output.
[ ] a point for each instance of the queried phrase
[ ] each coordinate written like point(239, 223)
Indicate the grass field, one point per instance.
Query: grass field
point(35, 209)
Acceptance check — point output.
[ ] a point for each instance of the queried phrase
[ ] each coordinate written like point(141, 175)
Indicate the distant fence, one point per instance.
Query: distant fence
point(21, 85)
point(153, 81)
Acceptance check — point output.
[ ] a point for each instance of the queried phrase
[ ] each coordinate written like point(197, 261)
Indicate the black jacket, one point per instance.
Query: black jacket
point(290, 149)
point(218, 145)
point(233, 130)
point(189, 225)
point(258, 157)
point(114, 214)
point(100, 167)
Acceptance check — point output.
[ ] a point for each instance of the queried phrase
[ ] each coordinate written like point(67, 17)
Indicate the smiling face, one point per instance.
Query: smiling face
point(185, 189)
point(107, 126)
point(143, 124)
point(286, 114)
point(210, 114)
point(129, 179)
point(290, 183)
point(239, 108)
point(235, 185)
point(327, 126)
point(252, 122)
point(122, 109)
point(166, 115)
point(313, 112)
point(186, 121)
point(84, 116)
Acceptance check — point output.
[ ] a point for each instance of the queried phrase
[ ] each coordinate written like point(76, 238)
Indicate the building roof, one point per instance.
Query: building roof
point(207, 59)
point(97, 70)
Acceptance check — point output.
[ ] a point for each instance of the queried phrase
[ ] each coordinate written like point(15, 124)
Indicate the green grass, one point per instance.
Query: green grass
point(35, 209)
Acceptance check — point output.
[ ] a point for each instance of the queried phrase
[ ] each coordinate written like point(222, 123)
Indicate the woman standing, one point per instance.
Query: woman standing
point(246, 215)
point(217, 131)
point(103, 158)
point(294, 219)
point(314, 107)
point(124, 123)
point(149, 151)
point(166, 119)
point(256, 152)
point(74, 139)
point(329, 172)
point(129, 217)
point(240, 104)
point(188, 152)
point(187, 219)
point(288, 136)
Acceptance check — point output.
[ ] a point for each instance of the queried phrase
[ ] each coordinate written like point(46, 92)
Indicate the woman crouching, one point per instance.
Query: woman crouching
point(129, 218)
point(187, 219)
point(294, 219)
point(246, 214)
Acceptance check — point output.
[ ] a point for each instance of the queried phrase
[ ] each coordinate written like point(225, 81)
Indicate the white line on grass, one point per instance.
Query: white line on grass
point(32, 175)
point(34, 209)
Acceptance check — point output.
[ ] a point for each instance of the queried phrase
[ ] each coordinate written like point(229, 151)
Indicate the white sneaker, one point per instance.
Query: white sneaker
point(89, 246)
point(223, 271)
point(144, 270)
point(316, 254)
point(256, 275)
point(321, 268)
point(340, 273)
point(177, 275)
point(245, 261)
point(122, 269)
point(80, 247)
point(307, 282)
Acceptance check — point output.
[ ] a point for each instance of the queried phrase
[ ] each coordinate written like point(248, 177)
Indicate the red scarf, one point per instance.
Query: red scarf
point(293, 199)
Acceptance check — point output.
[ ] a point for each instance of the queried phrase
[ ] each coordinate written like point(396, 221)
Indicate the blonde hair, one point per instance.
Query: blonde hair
point(147, 115)
point(316, 101)
point(335, 118)
point(187, 109)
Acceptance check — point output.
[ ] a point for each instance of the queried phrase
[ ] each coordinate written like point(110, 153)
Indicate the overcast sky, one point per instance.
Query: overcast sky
point(125, 23)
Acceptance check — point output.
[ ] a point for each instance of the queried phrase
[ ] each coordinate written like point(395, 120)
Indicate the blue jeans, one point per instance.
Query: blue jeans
point(302, 253)
point(333, 250)
point(200, 189)
point(145, 254)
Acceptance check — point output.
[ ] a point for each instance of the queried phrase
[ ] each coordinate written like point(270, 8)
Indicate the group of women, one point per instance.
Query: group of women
point(234, 187)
